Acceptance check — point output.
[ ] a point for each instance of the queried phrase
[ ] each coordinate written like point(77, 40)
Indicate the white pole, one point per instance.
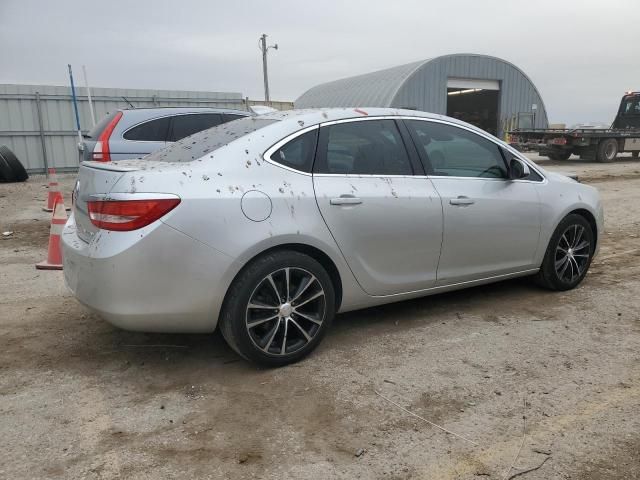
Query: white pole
point(86, 83)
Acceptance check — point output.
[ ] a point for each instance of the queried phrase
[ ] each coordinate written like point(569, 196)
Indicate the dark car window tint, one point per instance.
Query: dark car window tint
point(152, 131)
point(371, 147)
point(534, 176)
point(228, 117)
point(204, 143)
point(298, 153)
point(185, 125)
point(632, 106)
point(453, 151)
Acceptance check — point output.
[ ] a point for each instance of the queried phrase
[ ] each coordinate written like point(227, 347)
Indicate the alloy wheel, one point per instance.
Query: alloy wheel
point(572, 254)
point(285, 311)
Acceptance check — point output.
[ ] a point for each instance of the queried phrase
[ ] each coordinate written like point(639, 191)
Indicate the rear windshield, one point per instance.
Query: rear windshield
point(206, 141)
point(95, 132)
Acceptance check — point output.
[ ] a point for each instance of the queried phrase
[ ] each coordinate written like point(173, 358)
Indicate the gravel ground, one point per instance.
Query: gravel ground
point(81, 399)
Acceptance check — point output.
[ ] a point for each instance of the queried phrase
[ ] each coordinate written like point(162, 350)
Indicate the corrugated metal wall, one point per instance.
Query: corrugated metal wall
point(426, 89)
point(19, 128)
point(375, 89)
point(423, 86)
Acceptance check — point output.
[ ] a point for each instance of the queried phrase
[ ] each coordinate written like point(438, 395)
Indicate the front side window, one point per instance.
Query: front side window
point(455, 152)
point(185, 125)
point(152, 131)
point(370, 147)
point(297, 153)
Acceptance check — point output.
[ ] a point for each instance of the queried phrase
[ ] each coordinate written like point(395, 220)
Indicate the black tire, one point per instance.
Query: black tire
point(607, 150)
point(549, 276)
point(635, 154)
point(19, 173)
point(252, 284)
point(6, 172)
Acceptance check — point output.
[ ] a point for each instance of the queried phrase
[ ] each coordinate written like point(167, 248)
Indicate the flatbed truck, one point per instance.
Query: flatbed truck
point(600, 144)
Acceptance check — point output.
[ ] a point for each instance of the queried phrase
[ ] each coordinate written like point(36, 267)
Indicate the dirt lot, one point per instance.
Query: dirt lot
point(80, 399)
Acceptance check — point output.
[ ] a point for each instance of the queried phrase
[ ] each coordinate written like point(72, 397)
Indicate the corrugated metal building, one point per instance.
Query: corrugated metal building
point(19, 116)
point(486, 91)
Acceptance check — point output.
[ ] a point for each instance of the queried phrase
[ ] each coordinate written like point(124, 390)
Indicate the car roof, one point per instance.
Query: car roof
point(173, 110)
point(314, 116)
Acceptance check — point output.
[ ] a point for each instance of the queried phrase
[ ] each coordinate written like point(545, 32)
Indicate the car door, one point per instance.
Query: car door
point(184, 125)
point(491, 223)
point(386, 220)
point(141, 139)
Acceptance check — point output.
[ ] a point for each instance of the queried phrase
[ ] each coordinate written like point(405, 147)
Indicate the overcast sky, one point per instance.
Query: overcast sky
point(582, 55)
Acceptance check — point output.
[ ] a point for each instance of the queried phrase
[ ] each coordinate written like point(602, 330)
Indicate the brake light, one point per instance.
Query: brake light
point(127, 215)
point(101, 151)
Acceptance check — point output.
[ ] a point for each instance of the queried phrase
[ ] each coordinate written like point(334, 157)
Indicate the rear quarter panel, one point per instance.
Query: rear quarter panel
point(215, 188)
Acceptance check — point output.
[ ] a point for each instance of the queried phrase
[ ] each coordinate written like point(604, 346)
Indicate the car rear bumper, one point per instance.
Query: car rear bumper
point(155, 279)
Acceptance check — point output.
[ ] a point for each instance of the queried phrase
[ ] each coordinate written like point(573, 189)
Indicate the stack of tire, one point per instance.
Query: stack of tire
point(11, 170)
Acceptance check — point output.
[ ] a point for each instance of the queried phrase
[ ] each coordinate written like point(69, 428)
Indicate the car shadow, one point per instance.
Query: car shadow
point(185, 352)
point(435, 308)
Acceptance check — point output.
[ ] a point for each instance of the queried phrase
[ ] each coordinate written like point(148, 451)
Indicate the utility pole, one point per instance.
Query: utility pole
point(86, 84)
point(75, 104)
point(264, 48)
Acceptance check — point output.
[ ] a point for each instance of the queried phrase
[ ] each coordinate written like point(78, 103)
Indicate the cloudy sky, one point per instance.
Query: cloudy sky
point(582, 55)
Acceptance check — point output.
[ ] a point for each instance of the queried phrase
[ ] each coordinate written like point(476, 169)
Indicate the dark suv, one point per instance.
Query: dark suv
point(134, 133)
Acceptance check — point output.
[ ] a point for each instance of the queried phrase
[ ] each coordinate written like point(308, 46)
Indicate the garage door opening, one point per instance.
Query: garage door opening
point(475, 102)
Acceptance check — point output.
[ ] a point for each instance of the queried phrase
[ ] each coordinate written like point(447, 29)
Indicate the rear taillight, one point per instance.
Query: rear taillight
point(101, 151)
point(126, 215)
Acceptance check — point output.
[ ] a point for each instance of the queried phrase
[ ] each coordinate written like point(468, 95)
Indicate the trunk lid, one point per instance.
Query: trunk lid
point(94, 178)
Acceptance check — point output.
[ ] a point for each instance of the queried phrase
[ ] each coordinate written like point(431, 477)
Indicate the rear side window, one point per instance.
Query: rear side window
point(298, 153)
point(371, 147)
point(152, 131)
point(185, 125)
point(203, 143)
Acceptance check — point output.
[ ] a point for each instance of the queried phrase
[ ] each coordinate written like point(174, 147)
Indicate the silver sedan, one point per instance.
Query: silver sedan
point(268, 226)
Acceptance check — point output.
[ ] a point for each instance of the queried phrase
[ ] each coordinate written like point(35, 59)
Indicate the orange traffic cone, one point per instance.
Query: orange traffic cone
point(54, 190)
point(54, 256)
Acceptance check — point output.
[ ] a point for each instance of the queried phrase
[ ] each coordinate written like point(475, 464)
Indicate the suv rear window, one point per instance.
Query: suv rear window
point(185, 125)
point(151, 131)
point(206, 141)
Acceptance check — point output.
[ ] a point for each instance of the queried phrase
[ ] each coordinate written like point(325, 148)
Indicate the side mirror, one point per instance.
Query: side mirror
point(518, 169)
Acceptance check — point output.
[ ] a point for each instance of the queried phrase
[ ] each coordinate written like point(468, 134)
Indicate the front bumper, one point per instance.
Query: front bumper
point(155, 279)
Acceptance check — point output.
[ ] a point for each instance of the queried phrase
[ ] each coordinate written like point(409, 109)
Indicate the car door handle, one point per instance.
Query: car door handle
point(345, 200)
point(462, 200)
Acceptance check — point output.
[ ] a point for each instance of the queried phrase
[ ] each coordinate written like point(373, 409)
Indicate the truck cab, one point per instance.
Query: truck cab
point(629, 112)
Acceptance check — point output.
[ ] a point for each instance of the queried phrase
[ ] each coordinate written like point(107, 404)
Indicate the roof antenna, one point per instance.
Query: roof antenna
point(130, 104)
